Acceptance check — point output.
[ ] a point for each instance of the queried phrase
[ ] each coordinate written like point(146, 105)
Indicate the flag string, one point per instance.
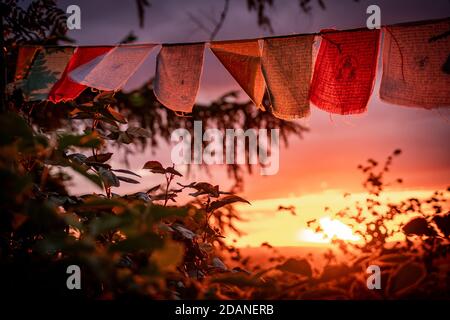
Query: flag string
point(320, 33)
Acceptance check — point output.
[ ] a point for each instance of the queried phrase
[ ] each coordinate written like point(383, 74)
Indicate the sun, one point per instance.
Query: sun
point(332, 228)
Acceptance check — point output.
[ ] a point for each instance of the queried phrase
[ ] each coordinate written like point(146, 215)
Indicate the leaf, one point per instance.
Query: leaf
point(123, 137)
point(168, 257)
point(109, 178)
point(418, 226)
point(186, 233)
point(203, 188)
point(223, 202)
point(115, 115)
point(407, 277)
point(162, 196)
point(142, 196)
point(105, 97)
point(97, 164)
point(154, 167)
point(217, 263)
point(173, 171)
point(78, 158)
point(443, 223)
point(92, 177)
point(82, 115)
point(126, 171)
point(126, 179)
point(100, 157)
point(301, 267)
point(153, 189)
point(138, 132)
point(90, 140)
point(291, 209)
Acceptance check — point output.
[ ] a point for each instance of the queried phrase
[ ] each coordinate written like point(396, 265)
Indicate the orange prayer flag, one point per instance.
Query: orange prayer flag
point(242, 59)
point(345, 70)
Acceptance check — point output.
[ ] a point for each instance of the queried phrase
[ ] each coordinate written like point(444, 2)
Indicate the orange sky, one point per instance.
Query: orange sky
point(316, 170)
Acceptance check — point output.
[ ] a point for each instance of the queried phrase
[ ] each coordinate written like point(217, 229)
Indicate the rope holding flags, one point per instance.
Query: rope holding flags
point(416, 69)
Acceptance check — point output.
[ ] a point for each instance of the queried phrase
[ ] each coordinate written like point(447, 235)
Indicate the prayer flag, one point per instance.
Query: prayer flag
point(178, 72)
point(286, 65)
point(242, 59)
point(45, 71)
point(112, 71)
point(24, 61)
point(66, 88)
point(345, 70)
point(416, 64)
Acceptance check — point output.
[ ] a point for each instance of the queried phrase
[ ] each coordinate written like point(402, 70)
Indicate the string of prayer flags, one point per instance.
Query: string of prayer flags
point(242, 59)
point(345, 70)
point(416, 65)
point(177, 78)
point(46, 70)
point(416, 69)
point(24, 61)
point(113, 71)
point(85, 57)
point(287, 67)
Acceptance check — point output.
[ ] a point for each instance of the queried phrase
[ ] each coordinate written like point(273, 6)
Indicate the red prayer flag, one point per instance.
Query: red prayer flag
point(345, 70)
point(66, 88)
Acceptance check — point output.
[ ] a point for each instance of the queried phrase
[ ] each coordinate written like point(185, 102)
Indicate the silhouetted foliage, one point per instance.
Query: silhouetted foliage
point(146, 245)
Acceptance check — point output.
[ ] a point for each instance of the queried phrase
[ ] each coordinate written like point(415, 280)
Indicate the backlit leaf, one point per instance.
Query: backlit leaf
point(109, 178)
point(126, 171)
point(225, 201)
point(138, 132)
point(100, 157)
point(154, 166)
point(418, 226)
point(126, 179)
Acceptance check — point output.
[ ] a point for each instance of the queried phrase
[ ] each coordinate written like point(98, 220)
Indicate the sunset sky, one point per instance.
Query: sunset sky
point(314, 171)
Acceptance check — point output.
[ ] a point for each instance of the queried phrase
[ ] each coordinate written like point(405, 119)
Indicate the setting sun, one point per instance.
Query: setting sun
point(331, 228)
